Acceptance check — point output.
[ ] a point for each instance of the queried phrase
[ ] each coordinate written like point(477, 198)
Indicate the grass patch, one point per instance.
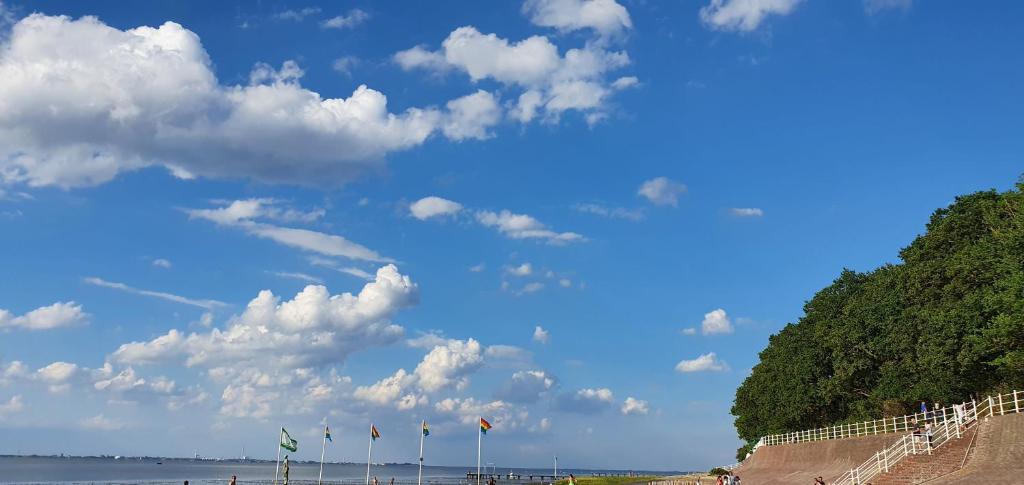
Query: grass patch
point(607, 480)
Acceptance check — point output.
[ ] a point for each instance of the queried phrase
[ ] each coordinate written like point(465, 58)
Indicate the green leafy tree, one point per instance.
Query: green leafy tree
point(945, 324)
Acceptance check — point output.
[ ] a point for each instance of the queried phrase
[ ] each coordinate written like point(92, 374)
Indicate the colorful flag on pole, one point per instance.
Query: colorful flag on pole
point(484, 426)
point(327, 433)
point(374, 434)
point(287, 442)
point(426, 429)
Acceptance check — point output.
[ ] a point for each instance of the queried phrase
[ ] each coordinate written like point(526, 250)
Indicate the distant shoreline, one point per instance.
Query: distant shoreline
point(120, 458)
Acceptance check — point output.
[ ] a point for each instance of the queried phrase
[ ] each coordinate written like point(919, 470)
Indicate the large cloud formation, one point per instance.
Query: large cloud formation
point(275, 349)
point(549, 83)
point(312, 329)
point(84, 101)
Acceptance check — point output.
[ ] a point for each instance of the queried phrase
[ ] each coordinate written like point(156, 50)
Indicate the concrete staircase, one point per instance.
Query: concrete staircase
point(923, 467)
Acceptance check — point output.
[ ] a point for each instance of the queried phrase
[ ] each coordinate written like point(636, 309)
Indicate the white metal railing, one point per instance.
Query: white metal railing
point(941, 428)
point(894, 424)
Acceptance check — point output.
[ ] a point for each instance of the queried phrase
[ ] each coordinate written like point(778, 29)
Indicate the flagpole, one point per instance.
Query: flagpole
point(277, 467)
point(369, 452)
point(323, 451)
point(419, 479)
point(479, 442)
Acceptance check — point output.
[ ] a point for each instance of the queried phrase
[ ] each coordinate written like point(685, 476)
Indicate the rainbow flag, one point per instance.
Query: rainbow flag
point(426, 430)
point(484, 426)
point(374, 434)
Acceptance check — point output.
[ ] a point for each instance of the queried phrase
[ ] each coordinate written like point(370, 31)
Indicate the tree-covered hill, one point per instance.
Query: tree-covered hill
point(944, 325)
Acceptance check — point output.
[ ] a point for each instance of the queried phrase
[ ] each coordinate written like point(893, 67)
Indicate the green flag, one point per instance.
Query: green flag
point(287, 442)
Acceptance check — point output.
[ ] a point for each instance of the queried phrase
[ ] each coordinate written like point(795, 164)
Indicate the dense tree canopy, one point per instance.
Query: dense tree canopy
point(944, 325)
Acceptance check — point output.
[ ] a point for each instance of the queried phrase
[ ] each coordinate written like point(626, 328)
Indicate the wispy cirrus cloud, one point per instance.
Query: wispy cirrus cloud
point(297, 15)
point(297, 276)
point(246, 215)
point(506, 222)
point(746, 212)
point(201, 303)
point(634, 215)
point(873, 7)
point(354, 18)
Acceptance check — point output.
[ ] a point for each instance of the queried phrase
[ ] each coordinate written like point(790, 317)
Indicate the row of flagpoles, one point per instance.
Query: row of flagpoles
point(291, 444)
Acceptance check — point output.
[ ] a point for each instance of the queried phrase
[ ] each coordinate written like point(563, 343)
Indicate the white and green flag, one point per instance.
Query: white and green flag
point(287, 442)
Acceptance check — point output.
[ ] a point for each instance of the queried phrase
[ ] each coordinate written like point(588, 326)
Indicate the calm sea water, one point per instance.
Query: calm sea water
point(29, 470)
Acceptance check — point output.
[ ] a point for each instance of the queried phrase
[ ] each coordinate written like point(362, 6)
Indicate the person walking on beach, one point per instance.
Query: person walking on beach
point(233, 479)
point(819, 481)
point(375, 481)
point(392, 482)
point(285, 468)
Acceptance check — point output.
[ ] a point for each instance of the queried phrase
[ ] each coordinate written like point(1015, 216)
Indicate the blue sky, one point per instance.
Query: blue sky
point(581, 219)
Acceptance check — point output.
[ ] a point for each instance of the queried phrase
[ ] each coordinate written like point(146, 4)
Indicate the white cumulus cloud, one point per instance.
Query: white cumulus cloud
point(525, 269)
point(433, 206)
point(540, 335)
point(57, 315)
point(449, 365)
point(587, 401)
point(526, 386)
point(716, 322)
point(708, 362)
point(743, 15)
point(501, 415)
point(551, 83)
point(314, 328)
point(84, 102)
point(634, 406)
point(523, 226)
point(607, 17)
point(471, 116)
point(662, 191)
point(13, 405)
point(386, 391)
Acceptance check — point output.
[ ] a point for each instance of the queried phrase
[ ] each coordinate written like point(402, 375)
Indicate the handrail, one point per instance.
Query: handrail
point(943, 428)
point(894, 424)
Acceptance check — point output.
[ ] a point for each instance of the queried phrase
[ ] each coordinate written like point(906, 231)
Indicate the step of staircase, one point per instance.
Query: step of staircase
point(921, 468)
